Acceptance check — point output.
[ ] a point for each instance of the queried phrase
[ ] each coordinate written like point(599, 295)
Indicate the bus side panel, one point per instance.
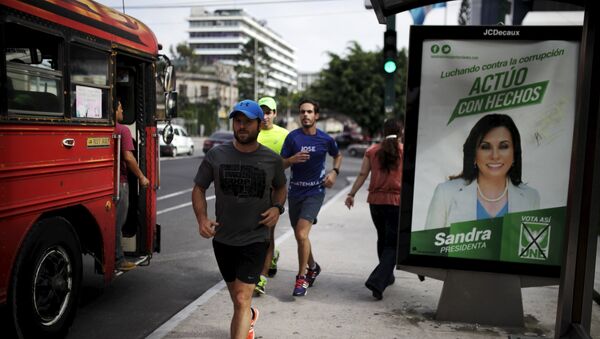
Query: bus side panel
point(14, 229)
point(104, 212)
point(152, 175)
point(12, 232)
point(48, 168)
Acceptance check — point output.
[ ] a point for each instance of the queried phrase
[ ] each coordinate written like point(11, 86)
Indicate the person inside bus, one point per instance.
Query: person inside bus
point(128, 163)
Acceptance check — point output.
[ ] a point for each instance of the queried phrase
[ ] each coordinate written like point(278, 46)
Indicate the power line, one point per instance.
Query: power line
point(217, 3)
point(271, 18)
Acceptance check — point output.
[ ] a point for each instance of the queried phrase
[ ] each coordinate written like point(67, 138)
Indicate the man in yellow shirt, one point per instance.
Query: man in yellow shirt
point(271, 136)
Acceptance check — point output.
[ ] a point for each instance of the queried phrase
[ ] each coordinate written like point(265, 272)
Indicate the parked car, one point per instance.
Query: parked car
point(359, 149)
point(217, 138)
point(181, 143)
point(346, 138)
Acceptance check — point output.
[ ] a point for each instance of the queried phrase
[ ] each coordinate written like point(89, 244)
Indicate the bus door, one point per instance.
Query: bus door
point(134, 76)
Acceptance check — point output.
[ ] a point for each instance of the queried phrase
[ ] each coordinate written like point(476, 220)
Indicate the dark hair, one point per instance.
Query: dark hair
point(309, 101)
point(116, 103)
point(389, 155)
point(478, 132)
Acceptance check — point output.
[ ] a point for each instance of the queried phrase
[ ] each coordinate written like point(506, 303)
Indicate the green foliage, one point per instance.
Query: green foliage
point(198, 114)
point(245, 69)
point(184, 58)
point(354, 85)
point(284, 99)
point(464, 15)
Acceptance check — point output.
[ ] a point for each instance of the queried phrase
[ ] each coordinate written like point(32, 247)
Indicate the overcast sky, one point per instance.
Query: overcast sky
point(312, 27)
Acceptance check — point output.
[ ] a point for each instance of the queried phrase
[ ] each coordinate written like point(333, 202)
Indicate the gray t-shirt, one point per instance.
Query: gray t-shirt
point(243, 184)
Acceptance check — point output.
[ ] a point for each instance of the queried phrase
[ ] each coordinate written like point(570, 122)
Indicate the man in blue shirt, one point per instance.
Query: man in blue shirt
point(305, 150)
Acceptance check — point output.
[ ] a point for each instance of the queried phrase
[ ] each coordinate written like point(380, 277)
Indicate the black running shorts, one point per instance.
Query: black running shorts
point(241, 262)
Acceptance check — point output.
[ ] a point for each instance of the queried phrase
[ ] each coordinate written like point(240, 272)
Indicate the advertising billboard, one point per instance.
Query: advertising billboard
point(489, 130)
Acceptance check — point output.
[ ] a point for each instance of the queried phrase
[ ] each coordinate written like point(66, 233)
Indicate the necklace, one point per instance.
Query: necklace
point(493, 199)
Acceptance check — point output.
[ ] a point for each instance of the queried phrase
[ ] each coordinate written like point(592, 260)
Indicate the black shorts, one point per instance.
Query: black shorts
point(242, 262)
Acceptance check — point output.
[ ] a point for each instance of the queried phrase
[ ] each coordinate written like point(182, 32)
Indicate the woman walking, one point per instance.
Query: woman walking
point(384, 162)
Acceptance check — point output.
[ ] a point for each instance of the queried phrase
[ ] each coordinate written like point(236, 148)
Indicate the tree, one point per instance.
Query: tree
point(464, 15)
point(354, 85)
point(284, 100)
point(184, 58)
point(204, 113)
point(246, 69)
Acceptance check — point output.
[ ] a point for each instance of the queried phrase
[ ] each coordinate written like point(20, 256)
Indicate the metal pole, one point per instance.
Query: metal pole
point(577, 274)
point(389, 97)
point(255, 69)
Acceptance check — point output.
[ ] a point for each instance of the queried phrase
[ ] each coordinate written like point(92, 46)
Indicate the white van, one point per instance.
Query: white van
point(181, 143)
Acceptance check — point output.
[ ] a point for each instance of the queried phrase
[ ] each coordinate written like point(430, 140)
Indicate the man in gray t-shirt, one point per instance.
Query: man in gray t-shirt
point(243, 190)
point(250, 192)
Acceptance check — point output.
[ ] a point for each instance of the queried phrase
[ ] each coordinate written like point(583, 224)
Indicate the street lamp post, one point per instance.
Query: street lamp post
point(255, 69)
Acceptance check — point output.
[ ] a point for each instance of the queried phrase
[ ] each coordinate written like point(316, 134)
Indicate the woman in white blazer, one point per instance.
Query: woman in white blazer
point(490, 184)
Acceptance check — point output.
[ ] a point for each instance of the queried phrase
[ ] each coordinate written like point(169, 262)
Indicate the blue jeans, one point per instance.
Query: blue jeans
point(122, 207)
point(385, 218)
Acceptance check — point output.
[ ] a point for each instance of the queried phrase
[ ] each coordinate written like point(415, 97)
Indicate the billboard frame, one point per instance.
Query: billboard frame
point(417, 37)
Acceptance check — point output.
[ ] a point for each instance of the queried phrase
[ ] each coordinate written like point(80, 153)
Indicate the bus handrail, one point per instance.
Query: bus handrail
point(118, 166)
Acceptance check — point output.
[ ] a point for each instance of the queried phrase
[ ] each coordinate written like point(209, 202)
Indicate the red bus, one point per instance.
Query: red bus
point(65, 63)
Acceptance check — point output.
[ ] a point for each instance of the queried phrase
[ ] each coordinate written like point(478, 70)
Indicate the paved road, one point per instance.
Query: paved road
point(138, 302)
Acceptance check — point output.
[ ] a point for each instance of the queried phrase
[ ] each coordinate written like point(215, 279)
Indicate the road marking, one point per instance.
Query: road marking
point(181, 157)
point(181, 206)
point(185, 313)
point(173, 194)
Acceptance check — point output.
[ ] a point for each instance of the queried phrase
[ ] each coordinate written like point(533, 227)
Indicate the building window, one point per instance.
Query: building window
point(183, 90)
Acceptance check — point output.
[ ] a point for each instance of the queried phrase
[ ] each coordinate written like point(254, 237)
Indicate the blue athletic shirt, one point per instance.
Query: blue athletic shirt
point(307, 177)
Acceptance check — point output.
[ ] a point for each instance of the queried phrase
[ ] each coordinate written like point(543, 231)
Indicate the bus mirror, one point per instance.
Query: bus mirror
point(167, 133)
point(170, 78)
point(171, 105)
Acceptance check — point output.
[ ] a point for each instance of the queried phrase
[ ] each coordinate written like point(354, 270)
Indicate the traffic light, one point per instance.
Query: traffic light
point(390, 53)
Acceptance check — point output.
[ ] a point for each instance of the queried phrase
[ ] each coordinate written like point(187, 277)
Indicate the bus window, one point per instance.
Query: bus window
point(34, 77)
point(89, 83)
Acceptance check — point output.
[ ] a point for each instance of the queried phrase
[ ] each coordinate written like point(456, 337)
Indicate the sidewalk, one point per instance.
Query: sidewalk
point(339, 306)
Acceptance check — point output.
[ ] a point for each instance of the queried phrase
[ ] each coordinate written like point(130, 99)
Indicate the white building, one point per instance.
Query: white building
point(305, 79)
point(216, 81)
point(221, 35)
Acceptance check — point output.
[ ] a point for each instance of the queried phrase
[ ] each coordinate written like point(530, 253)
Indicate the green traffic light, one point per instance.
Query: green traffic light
point(389, 66)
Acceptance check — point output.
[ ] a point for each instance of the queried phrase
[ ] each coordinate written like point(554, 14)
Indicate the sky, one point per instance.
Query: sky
point(313, 28)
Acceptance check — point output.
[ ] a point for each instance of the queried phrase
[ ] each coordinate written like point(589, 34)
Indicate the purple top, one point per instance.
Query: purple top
point(126, 145)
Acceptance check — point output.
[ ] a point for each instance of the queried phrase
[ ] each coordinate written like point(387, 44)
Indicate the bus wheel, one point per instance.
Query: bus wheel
point(45, 288)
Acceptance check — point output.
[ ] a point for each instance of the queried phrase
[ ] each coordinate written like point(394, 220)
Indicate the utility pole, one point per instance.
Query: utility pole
point(390, 65)
point(255, 69)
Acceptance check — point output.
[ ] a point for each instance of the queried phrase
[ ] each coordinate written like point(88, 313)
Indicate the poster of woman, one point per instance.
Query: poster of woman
point(492, 144)
point(491, 173)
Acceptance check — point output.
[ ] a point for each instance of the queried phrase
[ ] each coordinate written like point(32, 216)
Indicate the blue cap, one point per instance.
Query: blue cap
point(250, 109)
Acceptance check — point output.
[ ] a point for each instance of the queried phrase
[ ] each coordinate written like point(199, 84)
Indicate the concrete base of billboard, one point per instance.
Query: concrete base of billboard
point(481, 298)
